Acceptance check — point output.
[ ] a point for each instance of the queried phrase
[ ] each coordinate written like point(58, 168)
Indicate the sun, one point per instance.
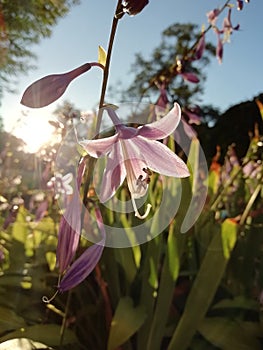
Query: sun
point(34, 129)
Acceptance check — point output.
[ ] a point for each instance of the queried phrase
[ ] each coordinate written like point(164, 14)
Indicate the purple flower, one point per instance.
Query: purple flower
point(193, 115)
point(85, 264)
point(41, 210)
point(134, 153)
point(200, 47)
point(219, 48)
point(70, 227)
point(180, 69)
point(69, 233)
point(212, 16)
point(228, 27)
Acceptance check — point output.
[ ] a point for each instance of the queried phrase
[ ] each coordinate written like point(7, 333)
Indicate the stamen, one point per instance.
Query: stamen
point(46, 300)
point(137, 214)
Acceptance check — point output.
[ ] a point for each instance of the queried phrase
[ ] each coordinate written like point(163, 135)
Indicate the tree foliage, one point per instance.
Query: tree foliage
point(22, 24)
point(178, 42)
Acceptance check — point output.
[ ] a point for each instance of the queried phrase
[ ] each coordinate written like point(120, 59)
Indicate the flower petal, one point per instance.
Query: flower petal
point(114, 174)
point(85, 264)
point(97, 148)
point(134, 164)
point(162, 128)
point(161, 159)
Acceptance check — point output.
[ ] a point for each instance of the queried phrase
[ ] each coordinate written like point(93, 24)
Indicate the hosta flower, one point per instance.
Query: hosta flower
point(228, 27)
point(219, 48)
point(200, 47)
point(212, 16)
point(134, 154)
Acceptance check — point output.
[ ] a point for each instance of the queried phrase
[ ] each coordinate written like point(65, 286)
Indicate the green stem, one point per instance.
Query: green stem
point(63, 326)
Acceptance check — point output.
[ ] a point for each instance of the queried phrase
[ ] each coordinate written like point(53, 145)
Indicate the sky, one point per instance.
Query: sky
point(76, 38)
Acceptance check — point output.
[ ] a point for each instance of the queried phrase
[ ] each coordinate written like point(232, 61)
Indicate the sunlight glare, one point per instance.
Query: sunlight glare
point(35, 130)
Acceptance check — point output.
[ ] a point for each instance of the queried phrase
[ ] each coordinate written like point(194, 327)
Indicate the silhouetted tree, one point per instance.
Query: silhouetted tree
point(23, 23)
point(177, 43)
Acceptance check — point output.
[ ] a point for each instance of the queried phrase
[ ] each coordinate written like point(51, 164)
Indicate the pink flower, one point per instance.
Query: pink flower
point(134, 153)
point(200, 47)
point(212, 16)
point(228, 27)
point(219, 48)
point(180, 70)
point(70, 227)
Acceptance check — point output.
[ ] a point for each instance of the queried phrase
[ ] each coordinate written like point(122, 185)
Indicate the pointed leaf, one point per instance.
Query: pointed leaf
point(9, 320)
point(229, 236)
point(227, 334)
point(126, 321)
point(102, 56)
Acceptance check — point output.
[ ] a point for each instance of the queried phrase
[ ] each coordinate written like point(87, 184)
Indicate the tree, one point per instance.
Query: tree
point(177, 45)
point(23, 23)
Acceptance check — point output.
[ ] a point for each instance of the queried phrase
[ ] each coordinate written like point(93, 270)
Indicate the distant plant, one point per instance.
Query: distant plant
point(131, 241)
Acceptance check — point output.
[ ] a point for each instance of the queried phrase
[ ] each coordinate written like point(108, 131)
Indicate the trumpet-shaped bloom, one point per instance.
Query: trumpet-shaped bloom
point(134, 154)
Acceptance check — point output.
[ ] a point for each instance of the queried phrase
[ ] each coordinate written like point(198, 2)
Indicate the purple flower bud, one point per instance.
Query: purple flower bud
point(240, 4)
point(41, 210)
point(85, 264)
point(200, 47)
point(191, 77)
point(133, 7)
point(69, 233)
point(50, 88)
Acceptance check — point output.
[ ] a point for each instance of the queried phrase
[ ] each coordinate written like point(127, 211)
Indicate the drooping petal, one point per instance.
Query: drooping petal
point(161, 159)
point(85, 264)
point(114, 174)
point(69, 232)
point(99, 147)
point(200, 47)
point(162, 128)
point(190, 77)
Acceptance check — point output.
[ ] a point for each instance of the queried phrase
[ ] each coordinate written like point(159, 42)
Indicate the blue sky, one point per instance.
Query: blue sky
point(76, 38)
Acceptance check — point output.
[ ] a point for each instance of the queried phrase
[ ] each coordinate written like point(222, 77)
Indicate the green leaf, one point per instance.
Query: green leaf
point(227, 334)
point(48, 334)
point(202, 292)
point(126, 321)
point(9, 320)
point(229, 236)
point(173, 255)
point(20, 226)
point(51, 260)
point(240, 302)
